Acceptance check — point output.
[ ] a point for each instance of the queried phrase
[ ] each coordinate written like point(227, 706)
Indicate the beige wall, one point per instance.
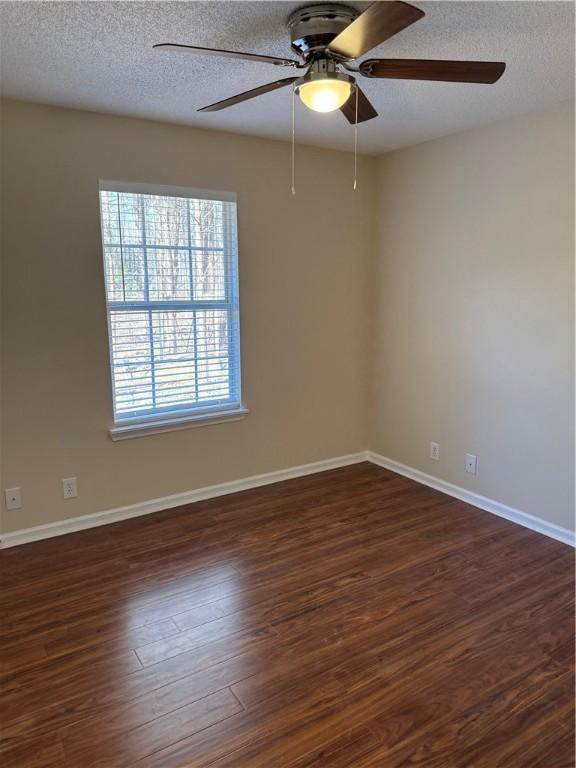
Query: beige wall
point(473, 336)
point(303, 293)
point(442, 312)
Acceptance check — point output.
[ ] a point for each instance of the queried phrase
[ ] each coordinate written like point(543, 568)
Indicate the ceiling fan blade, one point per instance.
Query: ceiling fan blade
point(430, 69)
point(380, 21)
point(228, 54)
point(248, 95)
point(365, 109)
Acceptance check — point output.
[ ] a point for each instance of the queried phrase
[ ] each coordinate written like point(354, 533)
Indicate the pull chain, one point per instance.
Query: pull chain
point(356, 142)
point(293, 140)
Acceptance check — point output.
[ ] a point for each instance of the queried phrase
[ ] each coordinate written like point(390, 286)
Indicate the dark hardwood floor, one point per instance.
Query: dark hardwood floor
point(348, 619)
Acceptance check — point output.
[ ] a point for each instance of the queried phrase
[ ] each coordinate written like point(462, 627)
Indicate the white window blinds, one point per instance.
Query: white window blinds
point(170, 262)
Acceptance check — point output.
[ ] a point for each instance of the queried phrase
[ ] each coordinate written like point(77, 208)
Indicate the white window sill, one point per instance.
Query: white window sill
point(141, 429)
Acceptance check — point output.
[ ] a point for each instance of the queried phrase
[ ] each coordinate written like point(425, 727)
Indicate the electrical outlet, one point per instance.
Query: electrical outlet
point(435, 451)
point(470, 463)
point(69, 487)
point(13, 498)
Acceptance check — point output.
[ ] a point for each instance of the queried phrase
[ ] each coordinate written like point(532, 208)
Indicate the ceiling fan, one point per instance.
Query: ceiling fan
point(327, 37)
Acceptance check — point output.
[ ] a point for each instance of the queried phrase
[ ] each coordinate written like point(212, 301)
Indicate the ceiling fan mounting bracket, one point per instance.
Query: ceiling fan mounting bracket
point(313, 27)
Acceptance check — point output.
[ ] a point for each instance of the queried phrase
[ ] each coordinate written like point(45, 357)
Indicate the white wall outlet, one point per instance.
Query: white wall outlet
point(69, 487)
point(13, 498)
point(470, 463)
point(435, 451)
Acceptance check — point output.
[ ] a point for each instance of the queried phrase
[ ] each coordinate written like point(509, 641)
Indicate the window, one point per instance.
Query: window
point(170, 263)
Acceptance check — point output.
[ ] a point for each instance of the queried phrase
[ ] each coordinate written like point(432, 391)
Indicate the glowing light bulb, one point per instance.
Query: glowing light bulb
point(325, 95)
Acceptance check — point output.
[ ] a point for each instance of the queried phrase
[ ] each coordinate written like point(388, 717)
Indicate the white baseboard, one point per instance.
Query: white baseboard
point(489, 505)
point(39, 532)
point(83, 522)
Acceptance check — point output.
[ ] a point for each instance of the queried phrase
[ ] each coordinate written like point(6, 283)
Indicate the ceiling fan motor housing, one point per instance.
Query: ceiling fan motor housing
point(313, 27)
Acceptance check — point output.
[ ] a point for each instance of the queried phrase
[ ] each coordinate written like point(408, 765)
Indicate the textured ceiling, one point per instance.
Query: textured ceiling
point(98, 56)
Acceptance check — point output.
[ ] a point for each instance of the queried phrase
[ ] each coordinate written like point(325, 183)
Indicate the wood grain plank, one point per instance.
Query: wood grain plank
point(118, 746)
point(38, 711)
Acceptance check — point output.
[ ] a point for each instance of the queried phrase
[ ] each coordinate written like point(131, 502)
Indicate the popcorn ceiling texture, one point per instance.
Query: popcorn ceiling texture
point(98, 56)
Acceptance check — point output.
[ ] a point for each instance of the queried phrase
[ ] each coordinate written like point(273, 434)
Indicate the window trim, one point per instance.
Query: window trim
point(137, 188)
point(184, 417)
point(184, 420)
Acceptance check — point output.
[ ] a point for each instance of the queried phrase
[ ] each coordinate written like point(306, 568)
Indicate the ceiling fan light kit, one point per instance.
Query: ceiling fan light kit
point(323, 88)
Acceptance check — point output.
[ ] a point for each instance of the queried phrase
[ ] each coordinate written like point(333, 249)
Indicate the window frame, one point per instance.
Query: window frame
point(170, 417)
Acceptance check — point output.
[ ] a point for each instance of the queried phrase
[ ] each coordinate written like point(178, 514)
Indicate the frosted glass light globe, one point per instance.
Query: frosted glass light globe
point(325, 95)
